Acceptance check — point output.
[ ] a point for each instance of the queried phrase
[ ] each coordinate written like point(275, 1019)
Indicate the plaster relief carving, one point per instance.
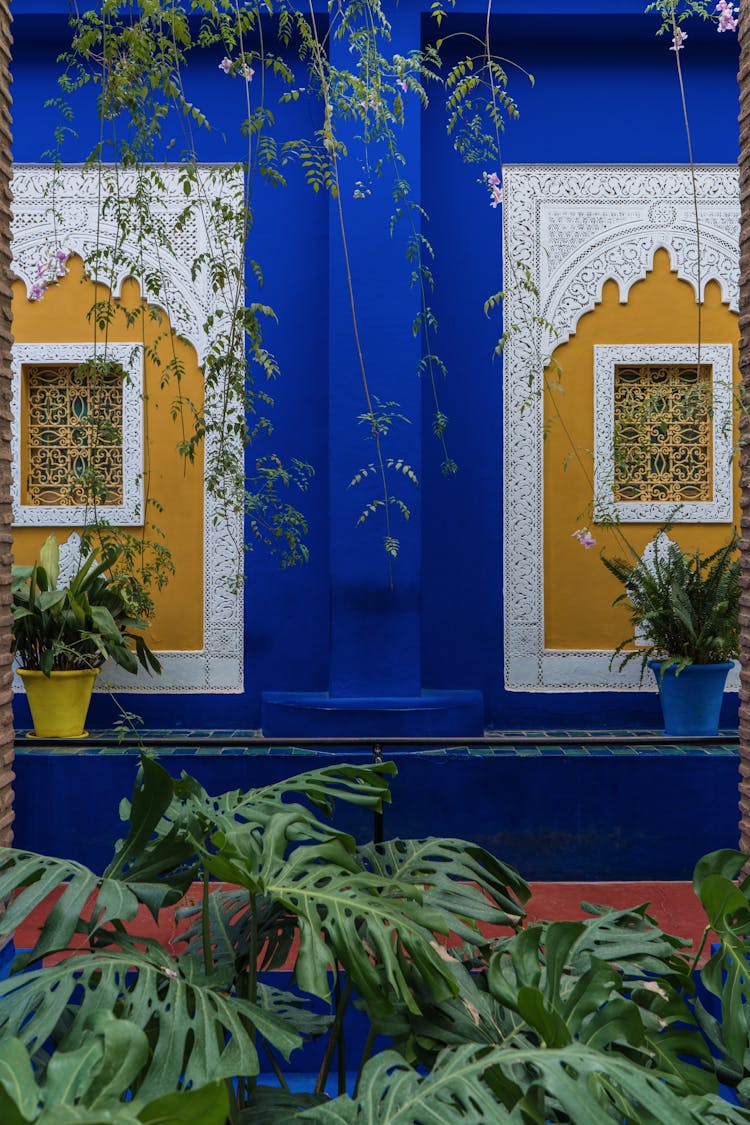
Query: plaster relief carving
point(574, 227)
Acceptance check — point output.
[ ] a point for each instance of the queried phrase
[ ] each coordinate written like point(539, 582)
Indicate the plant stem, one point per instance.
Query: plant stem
point(696, 959)
point(336, 1031)
point(366, 1052)
point(208, 960)
point(276, 1067)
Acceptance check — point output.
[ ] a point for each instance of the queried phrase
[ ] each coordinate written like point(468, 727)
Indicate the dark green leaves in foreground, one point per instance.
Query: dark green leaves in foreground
point(478, 1085)
point(85, 1078)
point(557, 1023)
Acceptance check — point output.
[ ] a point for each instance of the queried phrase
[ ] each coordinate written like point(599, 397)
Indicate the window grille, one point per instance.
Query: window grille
point(663, 433)
point(74, 425)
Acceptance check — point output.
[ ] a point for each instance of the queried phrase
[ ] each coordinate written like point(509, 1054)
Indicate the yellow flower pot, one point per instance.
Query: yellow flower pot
point(59, 703)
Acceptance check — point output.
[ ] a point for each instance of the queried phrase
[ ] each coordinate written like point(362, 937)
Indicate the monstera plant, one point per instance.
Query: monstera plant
point(578, 1022)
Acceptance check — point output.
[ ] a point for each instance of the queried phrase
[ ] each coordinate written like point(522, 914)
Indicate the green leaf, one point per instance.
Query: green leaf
point(197, 1034)
point(207, 1106)
point(269, 1106)
point(33, 878)
point(460, 879)
point(480, 1084)
point(49, 557)
point(18, 1091)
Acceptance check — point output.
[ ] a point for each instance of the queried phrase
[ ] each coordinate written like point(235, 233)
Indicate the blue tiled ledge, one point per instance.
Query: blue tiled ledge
point(557, 809)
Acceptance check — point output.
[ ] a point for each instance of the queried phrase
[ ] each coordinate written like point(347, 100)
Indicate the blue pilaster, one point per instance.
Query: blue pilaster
point(375, 680)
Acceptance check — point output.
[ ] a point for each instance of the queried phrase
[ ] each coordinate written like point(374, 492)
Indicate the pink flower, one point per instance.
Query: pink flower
point(247, 72)
point(402, 84)
point(727, 19)
point(48, 271)
point(584, 537)
point(225, 65)
point(492, 180)
point(679, 38)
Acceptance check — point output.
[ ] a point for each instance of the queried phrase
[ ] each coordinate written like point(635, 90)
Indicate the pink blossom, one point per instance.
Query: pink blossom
point(247, 72)
point(727, 18)
point(492, 179)
point(496, 196)
point(679, 38)
point(48, 271)
point(584, 537)
point(402, 84)
point(225, 65)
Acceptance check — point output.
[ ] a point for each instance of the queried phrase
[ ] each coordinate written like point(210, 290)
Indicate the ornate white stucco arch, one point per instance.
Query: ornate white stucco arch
point(70, 207)
point(568, 229)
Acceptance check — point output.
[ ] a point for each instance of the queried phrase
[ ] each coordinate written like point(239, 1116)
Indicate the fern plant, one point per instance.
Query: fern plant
point(684, 608)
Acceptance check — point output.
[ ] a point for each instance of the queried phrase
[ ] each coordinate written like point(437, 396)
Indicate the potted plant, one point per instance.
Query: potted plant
point(63, 635)
point(685, 615)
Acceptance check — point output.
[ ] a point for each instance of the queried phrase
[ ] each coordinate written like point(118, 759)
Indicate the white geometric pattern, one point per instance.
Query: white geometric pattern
point(574, 227)
point(130, 358)
point(716, 510)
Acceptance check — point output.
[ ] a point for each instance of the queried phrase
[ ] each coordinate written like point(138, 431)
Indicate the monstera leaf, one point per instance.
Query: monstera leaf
point(632, 940)
point(89, 1076)
point(196, 1033)
point(34, 877)
point(172, 821)
point(230, 923)
point(345, 916)
point(460, 879)
point(727, 908)
point(564, 993)
point(526, 1086)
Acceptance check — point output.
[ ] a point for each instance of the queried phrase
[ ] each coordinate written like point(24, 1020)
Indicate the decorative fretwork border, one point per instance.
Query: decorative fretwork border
point(573, 227)
point(606, 358)
point(130, 358)
point(78, 223)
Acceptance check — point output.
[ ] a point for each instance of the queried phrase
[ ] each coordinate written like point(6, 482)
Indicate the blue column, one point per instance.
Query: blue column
point(375, 684)
point(375, 628)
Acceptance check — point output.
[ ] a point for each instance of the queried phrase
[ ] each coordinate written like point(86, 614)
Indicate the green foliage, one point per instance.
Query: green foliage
point(91, 620)
point(575, 1022)
point(84, 1079)
point(138, 69)
point(566, 1023)
point(188, 1020)
point(684, 609)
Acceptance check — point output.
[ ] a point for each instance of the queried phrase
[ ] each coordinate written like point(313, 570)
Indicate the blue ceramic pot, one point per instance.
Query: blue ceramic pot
point(691, 701)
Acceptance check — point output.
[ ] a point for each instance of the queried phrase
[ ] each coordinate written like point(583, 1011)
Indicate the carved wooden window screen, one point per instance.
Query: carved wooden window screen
point(663, 432)
point(73, 423)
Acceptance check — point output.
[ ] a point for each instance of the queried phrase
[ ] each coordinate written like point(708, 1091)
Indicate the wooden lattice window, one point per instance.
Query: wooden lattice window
point(663, 430)
point(73, 450)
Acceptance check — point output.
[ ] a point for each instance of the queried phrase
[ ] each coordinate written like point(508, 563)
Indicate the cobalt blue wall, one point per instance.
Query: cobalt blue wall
point(603, 815)
point(605, 91)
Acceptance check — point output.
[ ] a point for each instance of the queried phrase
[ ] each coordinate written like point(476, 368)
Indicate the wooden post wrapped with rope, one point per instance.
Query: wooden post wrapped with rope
point(744, 82)
point(6, 671)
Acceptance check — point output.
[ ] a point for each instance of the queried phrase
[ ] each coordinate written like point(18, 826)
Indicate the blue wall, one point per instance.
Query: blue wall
point(596, 814)
point(605, 91)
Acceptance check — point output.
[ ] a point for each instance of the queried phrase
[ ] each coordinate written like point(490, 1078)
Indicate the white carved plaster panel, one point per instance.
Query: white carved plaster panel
point(130, 359)
point(78, 221)
point(717, 510)
point(574, 227)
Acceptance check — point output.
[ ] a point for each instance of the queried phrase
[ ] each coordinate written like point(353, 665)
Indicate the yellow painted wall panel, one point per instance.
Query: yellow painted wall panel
point(63, 317)
point(578, 591)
